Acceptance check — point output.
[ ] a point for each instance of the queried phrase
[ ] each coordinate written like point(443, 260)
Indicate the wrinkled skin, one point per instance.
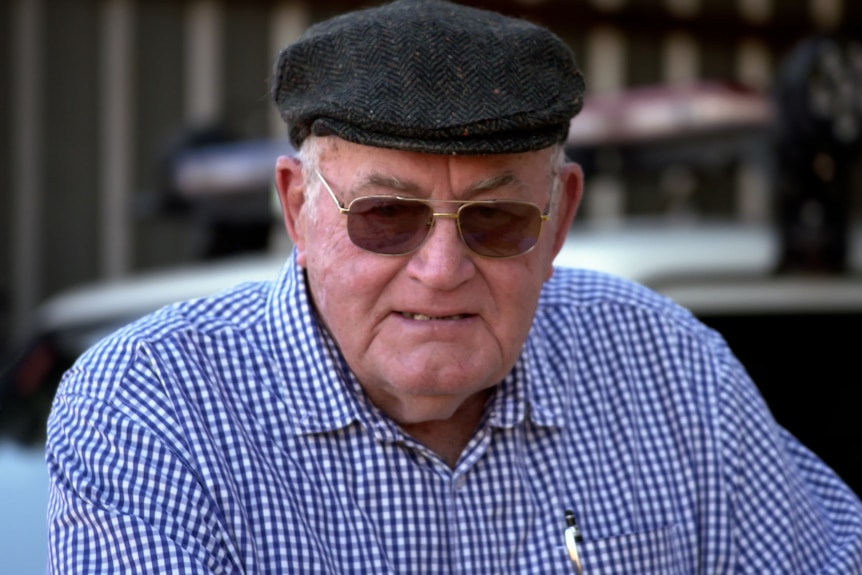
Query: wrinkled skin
point(429, 333)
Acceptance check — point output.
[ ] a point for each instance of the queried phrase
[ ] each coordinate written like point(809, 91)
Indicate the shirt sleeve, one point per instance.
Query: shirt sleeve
point(791, 513)
point(123, 498)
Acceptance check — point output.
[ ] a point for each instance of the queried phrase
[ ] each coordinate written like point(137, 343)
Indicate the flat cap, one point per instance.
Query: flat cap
point(429, 76)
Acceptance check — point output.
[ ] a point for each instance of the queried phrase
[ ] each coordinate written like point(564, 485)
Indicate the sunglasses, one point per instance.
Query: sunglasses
point(395, 226)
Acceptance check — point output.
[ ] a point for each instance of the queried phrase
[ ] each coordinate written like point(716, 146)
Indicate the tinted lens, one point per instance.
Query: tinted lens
point(389, 226)
point(500, 229)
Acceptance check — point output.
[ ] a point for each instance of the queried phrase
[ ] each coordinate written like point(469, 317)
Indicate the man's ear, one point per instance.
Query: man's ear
point(291, 193)
point(572, 190)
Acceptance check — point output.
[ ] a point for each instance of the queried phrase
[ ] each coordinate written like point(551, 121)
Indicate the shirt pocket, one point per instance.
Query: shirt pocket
point(653, 552)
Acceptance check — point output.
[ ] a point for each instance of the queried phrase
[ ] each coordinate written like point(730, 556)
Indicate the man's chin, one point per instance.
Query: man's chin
point(418, 399)
point(427, 409)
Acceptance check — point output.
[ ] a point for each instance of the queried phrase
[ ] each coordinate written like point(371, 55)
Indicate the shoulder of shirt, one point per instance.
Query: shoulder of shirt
point(234, 310)
point(579, 289)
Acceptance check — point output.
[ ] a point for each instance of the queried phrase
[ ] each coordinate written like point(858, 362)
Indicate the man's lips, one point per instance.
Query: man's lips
point(424, 317)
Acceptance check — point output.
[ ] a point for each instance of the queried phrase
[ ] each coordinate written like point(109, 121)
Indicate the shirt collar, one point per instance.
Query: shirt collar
point(322, 394)
point(531, 390)
point(316, 396)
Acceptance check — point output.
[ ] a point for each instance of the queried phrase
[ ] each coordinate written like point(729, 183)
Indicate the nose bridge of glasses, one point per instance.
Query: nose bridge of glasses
point(435, 230)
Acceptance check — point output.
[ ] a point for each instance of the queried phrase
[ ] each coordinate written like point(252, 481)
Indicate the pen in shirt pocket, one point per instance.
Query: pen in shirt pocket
point(573, 539)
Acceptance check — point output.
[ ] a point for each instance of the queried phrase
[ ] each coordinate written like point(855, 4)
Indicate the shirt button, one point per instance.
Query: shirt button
point(460, 482)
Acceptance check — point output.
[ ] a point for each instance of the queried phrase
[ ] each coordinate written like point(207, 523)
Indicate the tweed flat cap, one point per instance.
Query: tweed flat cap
point(429, 76)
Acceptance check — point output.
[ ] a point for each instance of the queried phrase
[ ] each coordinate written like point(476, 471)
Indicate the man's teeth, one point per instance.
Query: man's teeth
point(423, 317)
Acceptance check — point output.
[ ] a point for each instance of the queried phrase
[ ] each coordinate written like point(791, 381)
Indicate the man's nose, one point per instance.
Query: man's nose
point(443, 261)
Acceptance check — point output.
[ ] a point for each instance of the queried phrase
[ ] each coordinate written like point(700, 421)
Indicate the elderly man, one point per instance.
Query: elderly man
point(420, 391)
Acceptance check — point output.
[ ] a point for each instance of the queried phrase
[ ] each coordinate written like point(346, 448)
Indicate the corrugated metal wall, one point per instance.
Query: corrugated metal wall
point(92, 91)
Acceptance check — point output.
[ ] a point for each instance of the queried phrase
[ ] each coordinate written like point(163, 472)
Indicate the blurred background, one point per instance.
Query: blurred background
point(138, 136)
point(96, 94)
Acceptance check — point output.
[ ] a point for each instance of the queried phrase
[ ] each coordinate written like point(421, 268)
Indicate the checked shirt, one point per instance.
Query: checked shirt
point(226, 435)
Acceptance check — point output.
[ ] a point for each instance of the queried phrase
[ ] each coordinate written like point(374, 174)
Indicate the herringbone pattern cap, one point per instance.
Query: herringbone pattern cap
point(429, 76)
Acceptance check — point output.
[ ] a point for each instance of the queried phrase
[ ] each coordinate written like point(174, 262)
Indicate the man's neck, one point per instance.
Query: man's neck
point(448, 437)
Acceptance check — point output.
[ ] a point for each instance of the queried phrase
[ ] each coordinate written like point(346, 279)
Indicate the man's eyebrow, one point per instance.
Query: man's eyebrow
point(494, 182)
point(382, 181)
point(377, 182)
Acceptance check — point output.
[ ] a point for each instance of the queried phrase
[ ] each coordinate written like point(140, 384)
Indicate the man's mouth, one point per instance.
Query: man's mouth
point(423, 317)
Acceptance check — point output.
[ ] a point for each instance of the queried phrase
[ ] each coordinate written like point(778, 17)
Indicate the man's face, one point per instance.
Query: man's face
point(423, 332)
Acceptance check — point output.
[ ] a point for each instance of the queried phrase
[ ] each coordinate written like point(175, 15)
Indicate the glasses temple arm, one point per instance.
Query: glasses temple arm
point(338, 204)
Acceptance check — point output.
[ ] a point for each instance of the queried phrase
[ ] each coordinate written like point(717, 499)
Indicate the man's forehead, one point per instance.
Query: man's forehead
point(390, 172)
point(337, 150)
point(367, 167)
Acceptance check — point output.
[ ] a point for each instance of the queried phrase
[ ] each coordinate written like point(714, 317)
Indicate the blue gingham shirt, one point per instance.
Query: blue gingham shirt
point(226, 435)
